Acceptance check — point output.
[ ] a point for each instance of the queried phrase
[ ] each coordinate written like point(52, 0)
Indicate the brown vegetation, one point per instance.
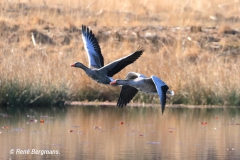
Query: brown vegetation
point(193, 47)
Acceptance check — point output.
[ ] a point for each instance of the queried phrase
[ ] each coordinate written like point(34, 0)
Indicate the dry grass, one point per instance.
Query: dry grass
point(193, 47)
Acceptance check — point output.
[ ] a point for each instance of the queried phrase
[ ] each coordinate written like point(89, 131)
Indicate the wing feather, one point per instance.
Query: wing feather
point(161, 89)
point(112, 68)
point(95, 58)
point(128, 92)
point(126, 95)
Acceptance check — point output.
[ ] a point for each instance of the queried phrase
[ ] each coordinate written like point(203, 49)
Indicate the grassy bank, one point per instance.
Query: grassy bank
point(193, 47)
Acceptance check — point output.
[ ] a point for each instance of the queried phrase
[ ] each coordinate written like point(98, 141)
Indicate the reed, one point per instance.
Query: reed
point(193, 47)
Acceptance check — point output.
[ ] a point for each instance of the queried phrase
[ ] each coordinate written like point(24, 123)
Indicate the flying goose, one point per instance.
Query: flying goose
point(97, 70)
point(135, 82)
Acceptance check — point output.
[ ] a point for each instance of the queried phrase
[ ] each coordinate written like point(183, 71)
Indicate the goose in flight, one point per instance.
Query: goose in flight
point(97, 70)
point(135, 82)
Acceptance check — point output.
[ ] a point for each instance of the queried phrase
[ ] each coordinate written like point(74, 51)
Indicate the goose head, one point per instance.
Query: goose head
point(77, 64)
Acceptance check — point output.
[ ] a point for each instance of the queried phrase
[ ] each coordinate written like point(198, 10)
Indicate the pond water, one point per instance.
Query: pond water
point(105, 132)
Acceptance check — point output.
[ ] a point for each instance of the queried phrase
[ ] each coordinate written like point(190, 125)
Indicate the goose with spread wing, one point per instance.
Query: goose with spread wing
point(97, 70)
point(135, 82)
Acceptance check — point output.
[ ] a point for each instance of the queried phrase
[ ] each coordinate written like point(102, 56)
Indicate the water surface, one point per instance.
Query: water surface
point(106, 132)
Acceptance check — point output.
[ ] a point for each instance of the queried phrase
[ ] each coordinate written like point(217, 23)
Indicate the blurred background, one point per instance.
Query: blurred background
point(191, 45)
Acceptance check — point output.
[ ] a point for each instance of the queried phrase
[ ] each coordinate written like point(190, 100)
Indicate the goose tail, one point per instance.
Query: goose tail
point(170, 92)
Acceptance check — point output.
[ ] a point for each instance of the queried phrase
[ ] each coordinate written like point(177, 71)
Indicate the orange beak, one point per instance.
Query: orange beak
point(72, 65)
point(113, 83)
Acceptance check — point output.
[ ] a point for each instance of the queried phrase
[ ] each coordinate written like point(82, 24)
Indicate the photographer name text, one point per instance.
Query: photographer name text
point(34, 151)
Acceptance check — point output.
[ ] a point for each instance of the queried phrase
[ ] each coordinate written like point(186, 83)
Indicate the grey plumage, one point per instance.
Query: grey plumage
point(135, 82)
point(96, 70)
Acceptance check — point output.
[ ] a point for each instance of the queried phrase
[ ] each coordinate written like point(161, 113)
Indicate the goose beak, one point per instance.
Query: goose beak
point(113, 82)
point(72, 65)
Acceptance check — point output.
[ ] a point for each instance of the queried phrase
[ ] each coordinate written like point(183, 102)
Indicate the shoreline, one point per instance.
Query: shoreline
point(79, 103)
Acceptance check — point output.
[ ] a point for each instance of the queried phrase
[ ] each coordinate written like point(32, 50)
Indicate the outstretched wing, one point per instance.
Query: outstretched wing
point(128, 92)
point(126, 95)
point(95, 58)
point(112, 68)
point(161, 89)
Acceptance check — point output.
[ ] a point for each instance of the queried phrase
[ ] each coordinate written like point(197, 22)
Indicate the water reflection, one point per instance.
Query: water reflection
point(89, 132)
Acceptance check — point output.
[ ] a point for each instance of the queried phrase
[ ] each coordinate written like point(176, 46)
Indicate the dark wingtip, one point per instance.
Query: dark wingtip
point(140, 49)
point(163, 108)
point(83, 28)
point(121, 103)
point(164, 97)
point(135, 55)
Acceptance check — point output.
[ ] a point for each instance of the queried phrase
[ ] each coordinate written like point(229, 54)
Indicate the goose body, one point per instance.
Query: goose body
point(135, 82)
point(96, 70)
